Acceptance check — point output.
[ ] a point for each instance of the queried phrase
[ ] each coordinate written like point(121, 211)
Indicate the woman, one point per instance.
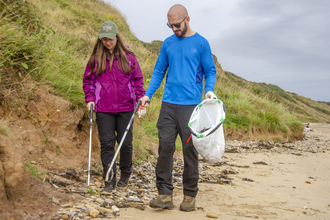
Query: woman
point(113, 82)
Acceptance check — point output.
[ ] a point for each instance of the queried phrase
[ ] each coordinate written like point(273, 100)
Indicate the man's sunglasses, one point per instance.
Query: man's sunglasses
point(178, 25)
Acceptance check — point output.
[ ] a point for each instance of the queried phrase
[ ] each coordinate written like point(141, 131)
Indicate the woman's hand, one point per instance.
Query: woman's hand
point(89, 106)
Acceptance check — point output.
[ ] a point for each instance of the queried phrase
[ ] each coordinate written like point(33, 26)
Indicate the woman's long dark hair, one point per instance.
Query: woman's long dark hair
point(100, 54)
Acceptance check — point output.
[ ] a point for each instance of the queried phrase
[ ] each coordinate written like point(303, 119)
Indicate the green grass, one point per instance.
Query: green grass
point(92, 191)
point(34, 172)
point(97, 169)
point(3, 130)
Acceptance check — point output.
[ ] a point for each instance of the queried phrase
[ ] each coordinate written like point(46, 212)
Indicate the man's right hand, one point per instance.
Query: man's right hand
point(145, 100)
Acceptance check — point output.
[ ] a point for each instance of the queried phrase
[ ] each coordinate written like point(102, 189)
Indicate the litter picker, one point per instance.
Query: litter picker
point(121, 142)
point(90, 145)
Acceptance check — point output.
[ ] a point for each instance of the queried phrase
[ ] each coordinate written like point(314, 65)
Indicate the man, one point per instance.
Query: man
point(187, 57)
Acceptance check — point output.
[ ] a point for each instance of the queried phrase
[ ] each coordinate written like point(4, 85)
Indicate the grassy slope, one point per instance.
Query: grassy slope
point(66, 32)
point(305, 109)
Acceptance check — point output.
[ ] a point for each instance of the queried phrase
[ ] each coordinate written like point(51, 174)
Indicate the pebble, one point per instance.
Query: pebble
point(94, 213)
point(41, 214)
point(115, 208)
point(68, 205)
point(65, 217)
point(211, 216)
point(139, 207)
point(105, 210)
point(54, 200)
point(100, 201)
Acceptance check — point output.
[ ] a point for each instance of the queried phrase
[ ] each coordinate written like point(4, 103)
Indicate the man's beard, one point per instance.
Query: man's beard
point(182, 32)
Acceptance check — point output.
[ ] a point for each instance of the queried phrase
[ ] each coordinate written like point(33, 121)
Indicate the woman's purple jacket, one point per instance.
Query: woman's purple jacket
point(114, 91)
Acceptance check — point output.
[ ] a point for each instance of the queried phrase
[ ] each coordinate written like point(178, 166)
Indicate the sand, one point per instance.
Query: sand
point(290, 186)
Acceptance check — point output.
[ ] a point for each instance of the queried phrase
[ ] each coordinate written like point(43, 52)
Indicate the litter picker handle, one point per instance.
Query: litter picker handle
point(91, 116)
point(90, 145)
point(214, 129)
point(121, 142)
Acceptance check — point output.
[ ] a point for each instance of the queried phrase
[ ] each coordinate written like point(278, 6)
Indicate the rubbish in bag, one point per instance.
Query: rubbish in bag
point(206, 127)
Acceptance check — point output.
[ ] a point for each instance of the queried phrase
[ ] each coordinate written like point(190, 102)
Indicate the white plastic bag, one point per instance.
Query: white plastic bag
point(206, 128)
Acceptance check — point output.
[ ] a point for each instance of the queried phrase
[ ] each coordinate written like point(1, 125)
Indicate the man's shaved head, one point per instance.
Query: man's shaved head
point(177, 10)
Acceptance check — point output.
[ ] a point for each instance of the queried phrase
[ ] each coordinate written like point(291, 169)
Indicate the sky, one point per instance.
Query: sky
point(279, 42)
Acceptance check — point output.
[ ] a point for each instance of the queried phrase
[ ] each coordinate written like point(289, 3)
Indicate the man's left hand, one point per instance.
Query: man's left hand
point(211, 96)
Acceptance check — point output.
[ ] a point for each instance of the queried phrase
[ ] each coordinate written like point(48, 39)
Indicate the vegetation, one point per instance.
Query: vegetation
point(92, 191)
point(34, 172)
point(52, 40)
point(327, 103)
point(3, 130)
point(301, 108)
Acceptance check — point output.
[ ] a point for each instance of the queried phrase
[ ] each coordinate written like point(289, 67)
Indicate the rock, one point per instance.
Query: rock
point(99, 200)
point(239, 213)
point(80, 206)
point(139, 207)
point(54, 200)
point(115, 208)
point(71, 214)
point(211, 216)
point(94, 213)
point(68, 205)
point(108, 200)
point(105, 193)
point(109, 211)
point(65, 217)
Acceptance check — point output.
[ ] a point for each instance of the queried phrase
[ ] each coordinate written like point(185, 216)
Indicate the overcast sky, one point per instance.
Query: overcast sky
point(280, 42)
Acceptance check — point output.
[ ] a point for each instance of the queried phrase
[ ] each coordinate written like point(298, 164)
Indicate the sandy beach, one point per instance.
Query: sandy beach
point(254, 180)
point(287, 184)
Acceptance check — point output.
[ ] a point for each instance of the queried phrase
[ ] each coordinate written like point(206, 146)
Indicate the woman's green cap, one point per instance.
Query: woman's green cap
point(108, 29)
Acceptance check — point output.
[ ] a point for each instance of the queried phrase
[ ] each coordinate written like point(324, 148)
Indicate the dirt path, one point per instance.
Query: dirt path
point(289, 187)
